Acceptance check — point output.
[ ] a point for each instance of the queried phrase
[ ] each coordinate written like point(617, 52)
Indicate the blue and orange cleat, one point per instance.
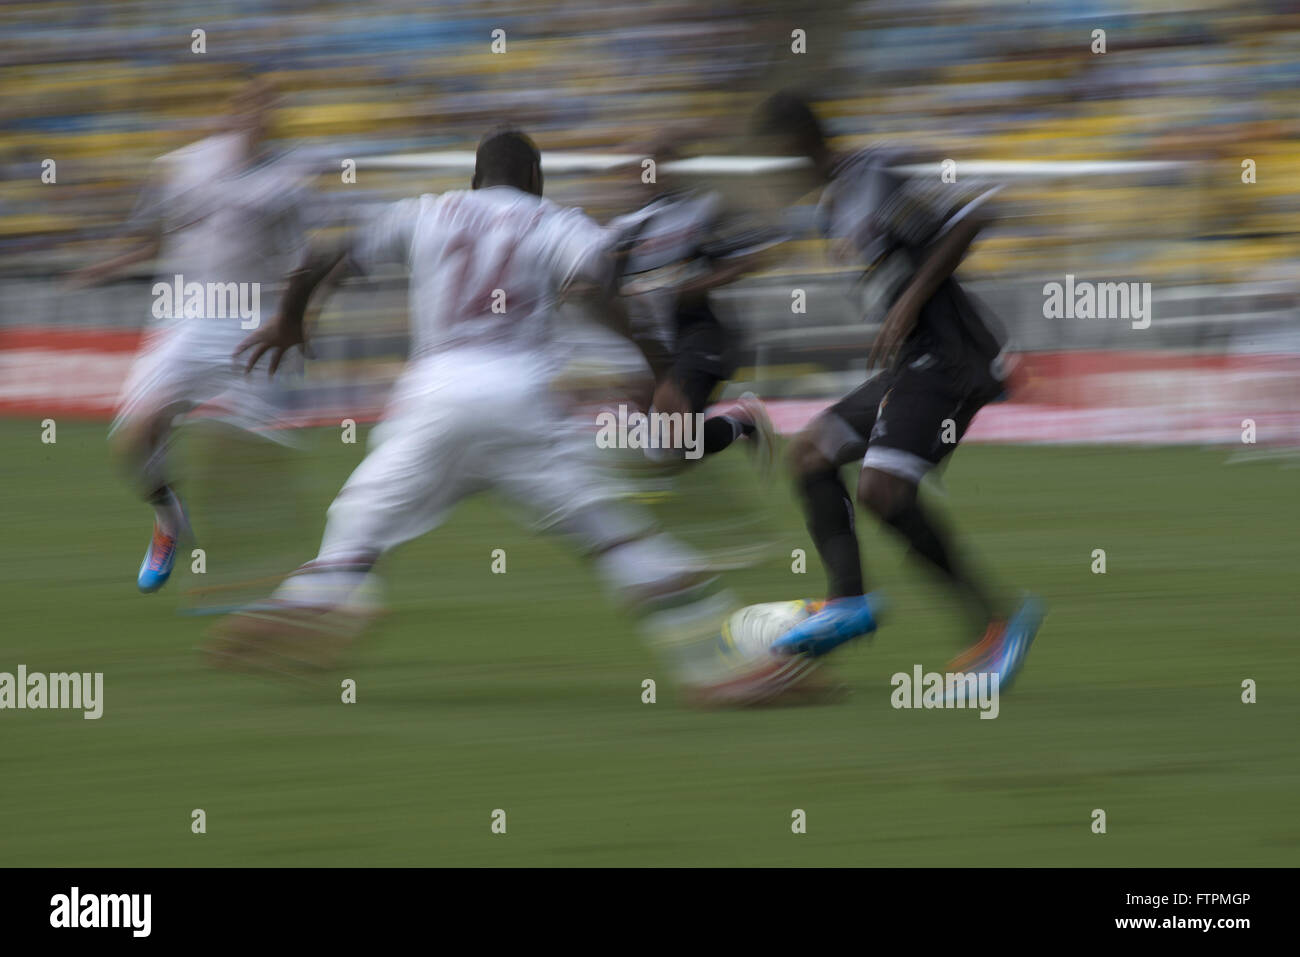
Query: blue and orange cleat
point(161, 554)
point(982, 650)
point(158, 561)
point(1019, 635)
point(1005, 645)
point(837, 621)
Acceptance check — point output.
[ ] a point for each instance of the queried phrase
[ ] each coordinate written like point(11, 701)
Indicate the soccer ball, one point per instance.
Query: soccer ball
point(750, 631)
point(745, 671)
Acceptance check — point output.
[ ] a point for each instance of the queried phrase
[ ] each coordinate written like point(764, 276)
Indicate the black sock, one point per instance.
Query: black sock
point(721, 430)
point(930, 541)
point(829, 514)
point(746, 427)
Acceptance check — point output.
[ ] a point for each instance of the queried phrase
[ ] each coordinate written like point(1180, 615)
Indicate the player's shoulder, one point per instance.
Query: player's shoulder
point(674, 210)
point(416, 206)
point(878, 159)
point(629, 220)
point(294, 163)
point(426, 200)
point(494, 197)
point(211, 149)
point(700, 206)
point(400, 216)
point(567, 217)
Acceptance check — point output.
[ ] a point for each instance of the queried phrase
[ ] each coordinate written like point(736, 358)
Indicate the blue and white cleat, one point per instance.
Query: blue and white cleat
point(836, 622)
point(161, 554)
point(1009, 655)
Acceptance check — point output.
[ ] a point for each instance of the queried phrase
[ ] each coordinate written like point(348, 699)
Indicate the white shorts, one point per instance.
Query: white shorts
point(176, 372)
point(458, 423)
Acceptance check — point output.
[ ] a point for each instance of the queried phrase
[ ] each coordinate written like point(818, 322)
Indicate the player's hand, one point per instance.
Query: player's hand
point(898, 324)
point(88, 277)
point(670, 398)
point(277, 338)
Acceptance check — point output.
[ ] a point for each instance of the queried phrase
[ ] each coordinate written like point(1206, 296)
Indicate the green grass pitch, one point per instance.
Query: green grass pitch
point(523, 691)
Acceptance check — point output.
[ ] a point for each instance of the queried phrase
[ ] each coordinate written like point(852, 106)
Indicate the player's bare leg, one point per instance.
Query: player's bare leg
point(316, 616)
point(895, 502)
point(848, 612)
point(1005, 638)
point(140, 444)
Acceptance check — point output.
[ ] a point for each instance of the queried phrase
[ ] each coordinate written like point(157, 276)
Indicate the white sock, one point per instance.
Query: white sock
point(324, 587)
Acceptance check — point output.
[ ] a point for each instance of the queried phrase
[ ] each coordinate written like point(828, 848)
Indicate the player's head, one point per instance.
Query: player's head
point(664, 147)
point(789, 123)
point(251, 107)
point(508, 157)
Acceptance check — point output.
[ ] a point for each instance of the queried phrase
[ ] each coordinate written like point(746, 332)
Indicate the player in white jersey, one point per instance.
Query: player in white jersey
point(221, 219)
point(473, 410)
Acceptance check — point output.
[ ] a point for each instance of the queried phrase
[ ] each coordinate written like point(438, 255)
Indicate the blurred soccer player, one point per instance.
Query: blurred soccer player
point(221, 216)
point(672, 252)
point(938, 364)
point(473, 410)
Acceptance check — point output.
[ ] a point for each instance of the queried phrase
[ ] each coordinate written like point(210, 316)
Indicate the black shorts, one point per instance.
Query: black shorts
point(904, 421)
point(702, 356)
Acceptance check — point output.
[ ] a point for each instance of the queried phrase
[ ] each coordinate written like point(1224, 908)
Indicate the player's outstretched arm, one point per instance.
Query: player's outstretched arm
point(143, 251)
point(322, 265)
point(144, 227)
point(733, 256)
point(940, 263)
point(610, 309)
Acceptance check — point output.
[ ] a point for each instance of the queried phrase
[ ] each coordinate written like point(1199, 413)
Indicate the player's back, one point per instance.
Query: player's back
point(666, 232)
point(660, 251)
point(890, 221)
point(487, 265)
point(486, 269)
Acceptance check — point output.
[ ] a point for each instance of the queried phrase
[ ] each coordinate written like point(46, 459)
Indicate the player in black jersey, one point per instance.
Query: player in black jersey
point(671, 253)
point(937, 361)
